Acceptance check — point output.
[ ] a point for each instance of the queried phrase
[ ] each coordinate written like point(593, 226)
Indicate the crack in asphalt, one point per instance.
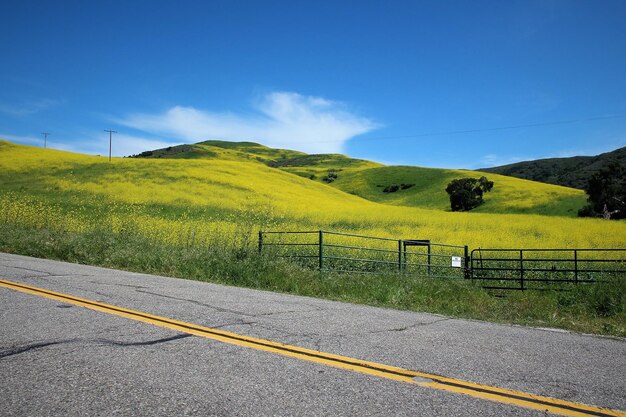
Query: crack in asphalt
point(137, 287)
point(225, 310)
point(32, 346)
point(66, 275)
point(28, 269)
point(221, 309)
point(39, 345)
point(237, 323)
point(147, 342)
point(410, 326)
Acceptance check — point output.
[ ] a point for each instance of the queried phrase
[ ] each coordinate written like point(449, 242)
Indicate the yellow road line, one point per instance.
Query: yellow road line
point(517, 398)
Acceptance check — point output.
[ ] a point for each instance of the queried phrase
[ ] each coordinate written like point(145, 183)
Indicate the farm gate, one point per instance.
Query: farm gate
point(495, 269)
point(541, 269)
point(343, 252)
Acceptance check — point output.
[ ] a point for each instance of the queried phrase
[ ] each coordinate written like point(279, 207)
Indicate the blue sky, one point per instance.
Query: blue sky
point(430, 83)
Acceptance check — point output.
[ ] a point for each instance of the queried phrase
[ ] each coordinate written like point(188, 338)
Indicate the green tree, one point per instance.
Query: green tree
point(606, 190)
point(467, 193)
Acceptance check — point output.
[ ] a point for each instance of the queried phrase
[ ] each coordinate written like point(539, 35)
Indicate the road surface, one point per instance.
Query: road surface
point(59, 357)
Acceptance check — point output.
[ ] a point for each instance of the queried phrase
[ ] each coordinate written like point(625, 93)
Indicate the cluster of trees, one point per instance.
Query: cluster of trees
point(467, 193)
point(606, 190)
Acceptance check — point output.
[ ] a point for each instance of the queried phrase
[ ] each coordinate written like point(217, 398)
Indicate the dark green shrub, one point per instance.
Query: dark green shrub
point(331, 176)
point(391, 188)
point(467, 193)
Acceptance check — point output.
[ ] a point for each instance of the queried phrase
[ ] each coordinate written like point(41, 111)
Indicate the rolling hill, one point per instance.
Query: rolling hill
point(173, 200)
point(417, 186)
point(569, 172)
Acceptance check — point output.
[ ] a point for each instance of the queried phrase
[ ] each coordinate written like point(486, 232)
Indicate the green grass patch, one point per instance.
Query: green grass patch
point(234, 260)
point(509, 195)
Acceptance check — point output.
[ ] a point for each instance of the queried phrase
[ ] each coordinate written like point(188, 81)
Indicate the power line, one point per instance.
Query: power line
point(490, 129)
point(45, 139)
point(110, 140)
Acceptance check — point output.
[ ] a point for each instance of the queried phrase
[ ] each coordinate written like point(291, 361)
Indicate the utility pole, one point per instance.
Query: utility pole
point(45, 139)
point(110, 135)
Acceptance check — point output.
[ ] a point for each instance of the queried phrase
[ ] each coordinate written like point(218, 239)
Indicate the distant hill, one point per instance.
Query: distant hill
point(569, 172)
point(299, 163)
point(407, 186)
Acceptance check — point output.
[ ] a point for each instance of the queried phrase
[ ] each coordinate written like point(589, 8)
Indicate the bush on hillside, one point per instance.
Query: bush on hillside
point(391, 188)
point(607, 193)
point(395, 187)
point(467, 193)
point(331, 176)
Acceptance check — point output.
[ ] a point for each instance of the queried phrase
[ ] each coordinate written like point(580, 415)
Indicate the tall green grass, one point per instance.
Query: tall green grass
point(233, 259)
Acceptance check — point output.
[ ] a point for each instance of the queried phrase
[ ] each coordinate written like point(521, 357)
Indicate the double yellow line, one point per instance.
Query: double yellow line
point(517, 398)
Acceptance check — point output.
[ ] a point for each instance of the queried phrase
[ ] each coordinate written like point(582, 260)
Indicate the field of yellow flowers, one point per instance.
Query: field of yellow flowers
point(174, 200)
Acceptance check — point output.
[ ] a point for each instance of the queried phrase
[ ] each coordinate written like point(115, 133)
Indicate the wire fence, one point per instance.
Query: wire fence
point(344, 252)
point(497, 269)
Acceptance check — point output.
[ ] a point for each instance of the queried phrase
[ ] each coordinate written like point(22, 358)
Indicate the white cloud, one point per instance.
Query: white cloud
point(27, 108)
point(493, 160)
point(283, 120)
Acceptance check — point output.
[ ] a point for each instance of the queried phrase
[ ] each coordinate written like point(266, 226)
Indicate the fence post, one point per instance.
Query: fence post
point(260, 241)
point(321, 250)
point(575, 266)
point(404, 257)
point(468, 262)
point(521, 266)
point(429, 251)
point(400, 255)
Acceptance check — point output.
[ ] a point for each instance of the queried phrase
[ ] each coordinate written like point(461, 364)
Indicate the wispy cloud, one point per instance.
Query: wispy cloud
point(282, 120)
point(593, 150)
point(493, 160)
point(25, 140)
point(27, 108)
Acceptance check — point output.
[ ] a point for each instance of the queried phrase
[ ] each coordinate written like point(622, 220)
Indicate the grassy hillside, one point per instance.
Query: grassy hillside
point(309, 166)
point(570, 172)
point(198, 218)
point(166, 198)
point(425, 187)
point(218, 149)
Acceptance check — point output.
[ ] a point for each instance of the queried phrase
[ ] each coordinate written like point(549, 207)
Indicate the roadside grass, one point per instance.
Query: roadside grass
point(234, 260)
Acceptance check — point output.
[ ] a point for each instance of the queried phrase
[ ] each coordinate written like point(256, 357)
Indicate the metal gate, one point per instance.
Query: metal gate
point(344, 252)
point(500, 269)
point(542, 269)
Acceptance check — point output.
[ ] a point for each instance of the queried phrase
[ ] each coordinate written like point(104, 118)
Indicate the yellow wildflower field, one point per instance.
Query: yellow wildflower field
point(174, 200)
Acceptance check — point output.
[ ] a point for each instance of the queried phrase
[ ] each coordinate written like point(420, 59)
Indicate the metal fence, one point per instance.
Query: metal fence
point(344, 252)
point(495, 269)
point(539, 269)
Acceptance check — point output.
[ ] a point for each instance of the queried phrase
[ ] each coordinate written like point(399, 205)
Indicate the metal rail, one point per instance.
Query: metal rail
point(516, 269)
point(337, 251)
point(572, 266)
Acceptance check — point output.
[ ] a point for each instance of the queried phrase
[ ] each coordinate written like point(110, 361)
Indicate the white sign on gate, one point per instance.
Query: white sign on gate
point(456, 261)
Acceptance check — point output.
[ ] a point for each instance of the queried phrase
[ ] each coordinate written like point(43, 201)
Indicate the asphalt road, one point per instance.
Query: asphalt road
point(58, 358)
